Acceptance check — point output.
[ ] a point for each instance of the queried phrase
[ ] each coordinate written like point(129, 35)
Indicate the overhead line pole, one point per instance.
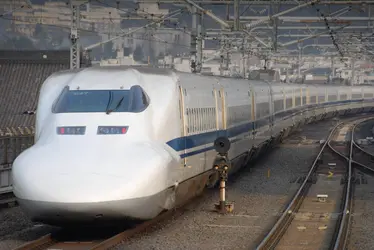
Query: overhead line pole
point(254, 2)
point(193, 42)
point(236, 15)
point(74, 34)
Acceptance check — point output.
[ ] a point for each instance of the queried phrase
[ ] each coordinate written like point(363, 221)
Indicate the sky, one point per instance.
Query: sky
point(245, 10)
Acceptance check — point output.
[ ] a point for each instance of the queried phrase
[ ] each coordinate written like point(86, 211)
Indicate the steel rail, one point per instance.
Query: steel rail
point(339, 240)
point(366, 153)
point(342, 237)
point(271, 238)
point(48, 241)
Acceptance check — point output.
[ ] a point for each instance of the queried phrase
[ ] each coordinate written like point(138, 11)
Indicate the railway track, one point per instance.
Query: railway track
point(363, 158)
point(100, 239)
point(62, 240)
point(318, 216)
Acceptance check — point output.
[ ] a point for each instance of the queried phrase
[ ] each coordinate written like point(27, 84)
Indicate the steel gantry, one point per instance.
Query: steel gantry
point(249, 35)
point(74, 33)
point(255, 2)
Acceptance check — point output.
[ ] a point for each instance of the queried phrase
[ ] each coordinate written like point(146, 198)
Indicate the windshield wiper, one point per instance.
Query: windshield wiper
point(117, 106)
point(109, 102)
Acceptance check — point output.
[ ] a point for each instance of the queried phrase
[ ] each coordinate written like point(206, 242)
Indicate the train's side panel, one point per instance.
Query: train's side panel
point(262, 111)
point(279, 107)
point(201, 123)
point(163, 111)
point(198, 120)
point(321, 100)
point(250, 112)
point(289, 105)
point(303, 111)
point(310, 102)
point(238, 116)
point(332, 101)
point(356, 103)
point(368, 98)
point(344, 99)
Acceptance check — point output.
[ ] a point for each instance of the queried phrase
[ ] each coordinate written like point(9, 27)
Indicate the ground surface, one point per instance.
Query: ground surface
point(260, 194)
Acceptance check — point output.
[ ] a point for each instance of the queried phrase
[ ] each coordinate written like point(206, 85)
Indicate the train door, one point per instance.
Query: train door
point(271, 108)
point(220, 104)
point(183, 122)
point(253, 110)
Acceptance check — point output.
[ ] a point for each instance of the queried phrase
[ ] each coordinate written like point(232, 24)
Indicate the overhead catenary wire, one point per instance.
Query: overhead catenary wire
point(85, 30)
point(323, 17)
point(184, 29)
point(164, 23)
point(89, 31)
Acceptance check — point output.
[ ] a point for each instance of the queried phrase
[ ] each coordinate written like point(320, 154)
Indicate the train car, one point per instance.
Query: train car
point(115, 142)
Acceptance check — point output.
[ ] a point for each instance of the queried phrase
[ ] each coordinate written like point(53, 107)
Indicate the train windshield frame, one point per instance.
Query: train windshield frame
point(132, 100)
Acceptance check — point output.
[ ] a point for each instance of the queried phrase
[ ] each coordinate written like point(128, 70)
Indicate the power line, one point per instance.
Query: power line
point(89, 31)
point(151, 14)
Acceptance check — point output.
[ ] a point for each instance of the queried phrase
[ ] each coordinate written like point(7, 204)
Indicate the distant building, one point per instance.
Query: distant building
point(106, 21)
point(93, 18)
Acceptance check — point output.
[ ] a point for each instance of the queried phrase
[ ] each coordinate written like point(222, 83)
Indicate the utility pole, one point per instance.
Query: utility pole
point(193, 43)
point(243, 59)
point(274, 9)
point(228, 56)
point(74, 34)
point(299, 60)
point(236, 15)
point(353, 70)
point(287, 76)
point(200, 31)
point(222, 58)
point(149, 32)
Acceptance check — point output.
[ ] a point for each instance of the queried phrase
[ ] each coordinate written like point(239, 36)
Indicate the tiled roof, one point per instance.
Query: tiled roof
point(21, 76)
point(31, 56)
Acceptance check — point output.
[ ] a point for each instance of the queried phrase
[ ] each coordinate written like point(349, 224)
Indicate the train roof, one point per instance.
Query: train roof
point(174, 74)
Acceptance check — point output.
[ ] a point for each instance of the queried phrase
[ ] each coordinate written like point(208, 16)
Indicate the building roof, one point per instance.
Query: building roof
point(21, 76)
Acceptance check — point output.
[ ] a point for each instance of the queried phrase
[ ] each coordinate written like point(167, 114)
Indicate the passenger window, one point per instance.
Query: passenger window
point(193, 120)
point(203, 118)
point(197, 120)
point(200, 120)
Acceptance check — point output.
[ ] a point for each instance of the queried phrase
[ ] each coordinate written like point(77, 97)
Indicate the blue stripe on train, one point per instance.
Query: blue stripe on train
point(192, 141)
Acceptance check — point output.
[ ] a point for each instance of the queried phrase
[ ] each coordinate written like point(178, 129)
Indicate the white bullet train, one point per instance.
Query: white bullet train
point(116, 142)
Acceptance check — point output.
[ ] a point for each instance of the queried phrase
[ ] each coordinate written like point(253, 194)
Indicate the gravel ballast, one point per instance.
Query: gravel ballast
point(361, 234)
point(259, 195)
point(16, 229)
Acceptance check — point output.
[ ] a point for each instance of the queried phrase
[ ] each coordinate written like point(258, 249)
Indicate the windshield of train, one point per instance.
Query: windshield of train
point(83, 101)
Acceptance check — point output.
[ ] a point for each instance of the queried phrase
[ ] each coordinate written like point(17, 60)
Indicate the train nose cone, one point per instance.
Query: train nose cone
point(71, 175)
point(53, 186)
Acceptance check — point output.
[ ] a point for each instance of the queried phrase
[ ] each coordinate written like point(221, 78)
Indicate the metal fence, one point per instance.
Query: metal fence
point(10, 147)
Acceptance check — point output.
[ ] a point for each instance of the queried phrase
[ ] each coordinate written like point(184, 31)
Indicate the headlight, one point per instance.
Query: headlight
point(71, 130)
point(112, 130)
